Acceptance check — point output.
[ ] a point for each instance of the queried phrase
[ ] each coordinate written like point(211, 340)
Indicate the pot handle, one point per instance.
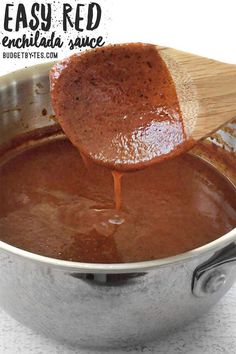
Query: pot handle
point(212, 275)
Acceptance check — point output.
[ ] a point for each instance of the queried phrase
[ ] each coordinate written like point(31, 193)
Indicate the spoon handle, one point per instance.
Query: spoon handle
point(206, 89)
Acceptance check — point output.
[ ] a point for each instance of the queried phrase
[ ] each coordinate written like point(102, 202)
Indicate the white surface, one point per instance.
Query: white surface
point(214, 333)
point(204, 27)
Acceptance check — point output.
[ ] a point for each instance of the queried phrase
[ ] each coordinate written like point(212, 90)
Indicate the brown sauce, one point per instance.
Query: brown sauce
point(53, 205)
point(118, 105)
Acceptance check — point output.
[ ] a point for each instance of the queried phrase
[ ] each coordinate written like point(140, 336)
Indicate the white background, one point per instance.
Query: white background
point(205, 27)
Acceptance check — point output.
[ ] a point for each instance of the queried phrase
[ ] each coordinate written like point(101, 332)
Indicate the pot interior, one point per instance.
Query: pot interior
point(25, 108)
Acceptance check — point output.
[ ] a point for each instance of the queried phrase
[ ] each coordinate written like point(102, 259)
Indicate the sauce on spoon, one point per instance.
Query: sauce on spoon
point(118, 105)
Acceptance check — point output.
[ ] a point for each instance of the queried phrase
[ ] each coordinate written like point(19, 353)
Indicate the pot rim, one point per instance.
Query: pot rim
point(23, 74)
point(121, 267)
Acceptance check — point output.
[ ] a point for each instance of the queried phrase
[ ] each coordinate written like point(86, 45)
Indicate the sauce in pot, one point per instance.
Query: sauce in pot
point(119, 107)
point(52, 205)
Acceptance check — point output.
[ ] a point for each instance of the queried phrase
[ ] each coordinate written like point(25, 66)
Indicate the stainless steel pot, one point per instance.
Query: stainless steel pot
point(102, 305)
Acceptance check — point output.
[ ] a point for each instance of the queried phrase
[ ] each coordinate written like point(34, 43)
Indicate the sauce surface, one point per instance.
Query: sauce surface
point(118, 105)
point(52, 205)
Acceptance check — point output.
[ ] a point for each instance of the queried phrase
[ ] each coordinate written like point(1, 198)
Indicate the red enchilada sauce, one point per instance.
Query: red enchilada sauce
point(52, 205)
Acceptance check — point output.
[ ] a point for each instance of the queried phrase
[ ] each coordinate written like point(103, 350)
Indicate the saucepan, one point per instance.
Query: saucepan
point(106, 305)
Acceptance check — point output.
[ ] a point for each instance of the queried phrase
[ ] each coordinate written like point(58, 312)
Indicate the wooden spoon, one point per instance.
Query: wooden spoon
point(206, 90)
point(128, 106)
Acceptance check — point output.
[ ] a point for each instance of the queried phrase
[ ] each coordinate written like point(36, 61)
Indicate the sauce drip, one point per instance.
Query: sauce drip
point(117, 188)
point(52, 205)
